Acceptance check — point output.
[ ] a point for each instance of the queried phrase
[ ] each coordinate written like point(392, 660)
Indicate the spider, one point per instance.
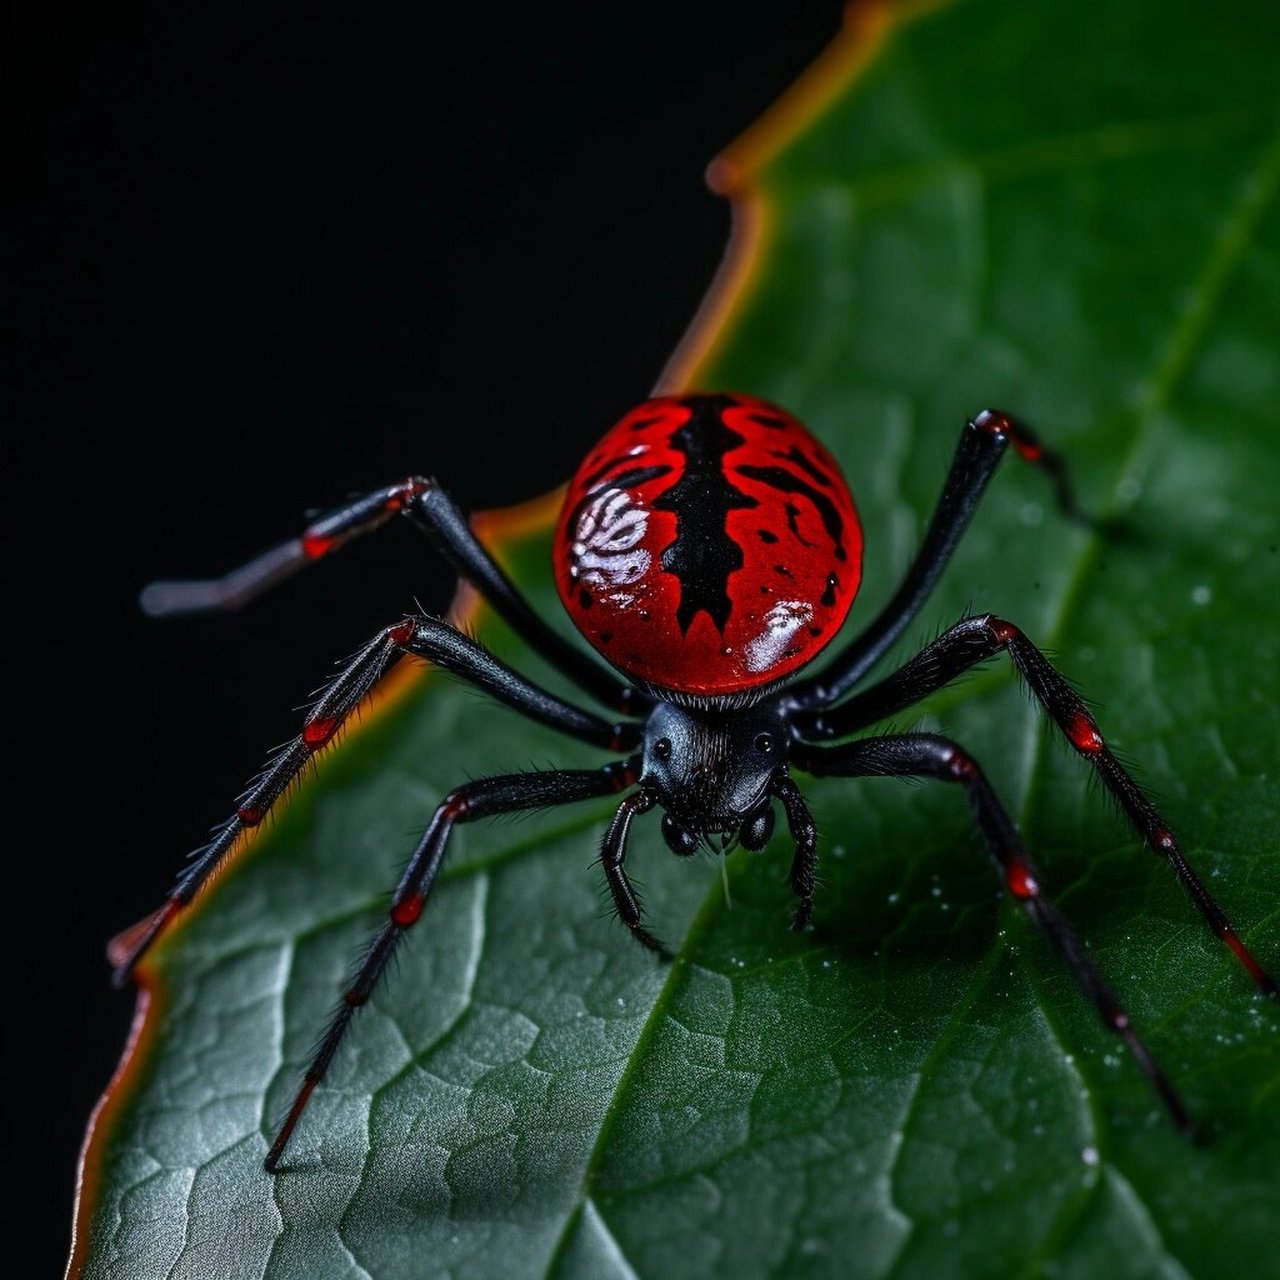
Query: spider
point(708, 548)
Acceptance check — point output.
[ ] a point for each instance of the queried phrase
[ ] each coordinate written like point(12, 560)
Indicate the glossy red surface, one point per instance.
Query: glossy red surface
point(708, 545)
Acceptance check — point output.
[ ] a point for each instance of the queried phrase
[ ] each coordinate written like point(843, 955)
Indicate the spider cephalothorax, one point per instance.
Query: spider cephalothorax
point(711, 770)
point(709, 549)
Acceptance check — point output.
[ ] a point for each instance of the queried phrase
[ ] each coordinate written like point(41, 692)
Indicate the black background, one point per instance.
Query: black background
point(257, 258)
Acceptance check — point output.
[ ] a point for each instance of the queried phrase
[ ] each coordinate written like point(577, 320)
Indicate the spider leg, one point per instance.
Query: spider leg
point(416, 634)
point(971, 641)
point(480, 799)
point(982, 445)
point(613, 851)
point(433, 511)
point(804, 835)
point(930, 756)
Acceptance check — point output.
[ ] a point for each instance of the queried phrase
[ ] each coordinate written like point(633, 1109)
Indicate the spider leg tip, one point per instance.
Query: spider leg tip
point(803, 918)
point(659, 948)
point(271, 1161)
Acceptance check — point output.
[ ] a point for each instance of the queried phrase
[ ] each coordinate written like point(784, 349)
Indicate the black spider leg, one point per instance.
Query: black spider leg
point(613, 852)
point(982, 445)
point(804, 836)
point(416, 634)
point(968, 643)
point(480, 799)
point(434, 512)
point(930, 756)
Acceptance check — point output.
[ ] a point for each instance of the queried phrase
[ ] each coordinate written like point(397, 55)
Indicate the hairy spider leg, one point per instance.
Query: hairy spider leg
point(435, 513)
point(422, 637)
point(804, 836)
point(982, 444)
point(930, 756)
point(971, 641)
point(481, 799)
point(613, 852)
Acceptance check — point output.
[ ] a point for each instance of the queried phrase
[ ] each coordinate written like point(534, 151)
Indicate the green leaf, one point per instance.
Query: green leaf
point(1068, 211)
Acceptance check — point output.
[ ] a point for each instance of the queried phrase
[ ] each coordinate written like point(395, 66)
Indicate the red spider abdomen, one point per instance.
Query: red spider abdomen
point(708, 545)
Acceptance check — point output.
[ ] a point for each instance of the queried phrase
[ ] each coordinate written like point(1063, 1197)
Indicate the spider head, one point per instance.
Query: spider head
point(710, 770)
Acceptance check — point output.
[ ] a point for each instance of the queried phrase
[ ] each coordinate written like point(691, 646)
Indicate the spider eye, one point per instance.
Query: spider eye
point(662, 748)
point(764, 743)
